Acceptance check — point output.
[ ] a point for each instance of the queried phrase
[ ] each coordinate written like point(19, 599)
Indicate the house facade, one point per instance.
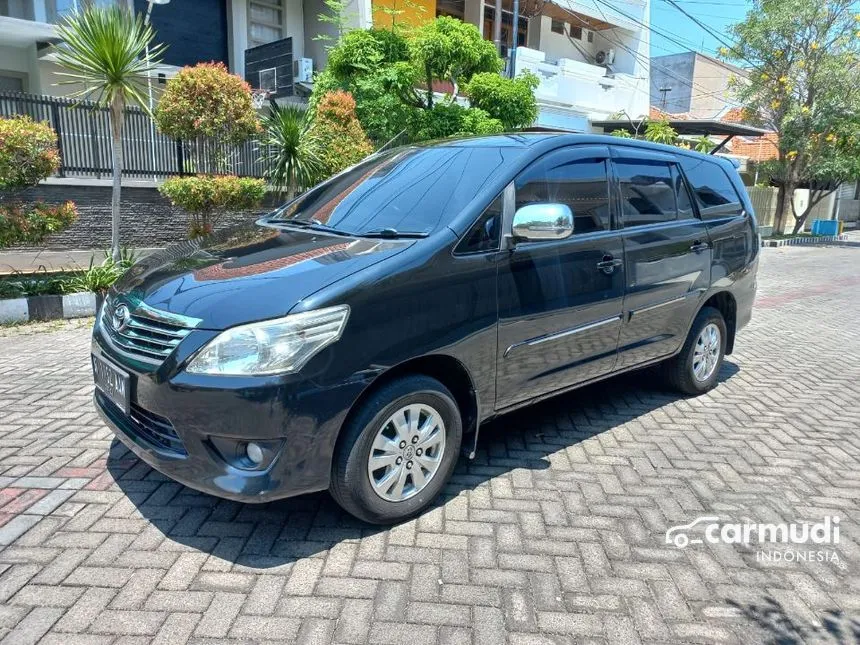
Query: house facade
point(591, 56)
point(693, 83)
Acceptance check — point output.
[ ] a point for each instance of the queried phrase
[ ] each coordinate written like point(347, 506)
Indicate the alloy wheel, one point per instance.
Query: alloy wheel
point(706, 353)
point(407, 452)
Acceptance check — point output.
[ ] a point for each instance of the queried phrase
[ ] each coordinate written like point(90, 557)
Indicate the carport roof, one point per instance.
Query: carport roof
point(688, 127)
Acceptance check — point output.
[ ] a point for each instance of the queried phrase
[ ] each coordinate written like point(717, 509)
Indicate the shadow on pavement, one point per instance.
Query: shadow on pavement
point(778, 628)
point(262, 536)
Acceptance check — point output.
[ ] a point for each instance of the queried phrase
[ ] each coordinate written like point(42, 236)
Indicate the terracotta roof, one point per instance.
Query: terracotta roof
point(756, 148)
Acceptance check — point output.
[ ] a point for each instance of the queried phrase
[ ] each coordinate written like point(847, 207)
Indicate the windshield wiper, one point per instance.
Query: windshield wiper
point(313, 224)
point(392, 233)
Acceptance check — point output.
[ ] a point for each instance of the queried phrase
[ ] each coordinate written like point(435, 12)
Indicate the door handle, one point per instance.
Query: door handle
point(699, 246)
point(608, 264)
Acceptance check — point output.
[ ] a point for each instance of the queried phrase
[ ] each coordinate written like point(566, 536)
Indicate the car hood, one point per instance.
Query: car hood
point(249, 273)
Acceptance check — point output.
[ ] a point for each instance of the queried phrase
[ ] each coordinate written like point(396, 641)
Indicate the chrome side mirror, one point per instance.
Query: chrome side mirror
point(536, 222)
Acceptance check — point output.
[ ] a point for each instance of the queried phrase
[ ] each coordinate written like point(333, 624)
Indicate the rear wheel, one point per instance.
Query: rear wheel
point(696, 368)
point(398, 451)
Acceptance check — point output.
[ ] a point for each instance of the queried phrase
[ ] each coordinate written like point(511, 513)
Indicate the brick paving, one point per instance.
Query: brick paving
point(554, 534)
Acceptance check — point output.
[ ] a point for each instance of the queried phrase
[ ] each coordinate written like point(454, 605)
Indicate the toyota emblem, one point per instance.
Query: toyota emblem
point(120, 318)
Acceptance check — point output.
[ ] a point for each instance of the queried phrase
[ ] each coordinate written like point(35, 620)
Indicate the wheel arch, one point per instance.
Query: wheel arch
point(725, 303)
point(446, 369)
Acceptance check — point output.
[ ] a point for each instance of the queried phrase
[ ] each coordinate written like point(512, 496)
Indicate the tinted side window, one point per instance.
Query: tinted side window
point(562, 178)
point(713, 190)
point(647, 192)
point(486, 233)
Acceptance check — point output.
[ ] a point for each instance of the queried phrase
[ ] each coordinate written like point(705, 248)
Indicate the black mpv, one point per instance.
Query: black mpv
point(350, 339)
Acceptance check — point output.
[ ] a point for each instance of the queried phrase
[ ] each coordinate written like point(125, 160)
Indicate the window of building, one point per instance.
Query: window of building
point(265, 21)
point(647, 192)
point(567, 178)
point(557, 26)
point(576, 32)
point(11, 83)
point(714, 192)
point(591, 36)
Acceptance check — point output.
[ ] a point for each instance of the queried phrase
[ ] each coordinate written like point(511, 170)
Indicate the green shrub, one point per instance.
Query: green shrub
point(97, 278)
point(511, 101)
point(28, 152)
point(31, 224)
point(207, 197)
point(207, 101)
point(341, 138)
point(453, 120)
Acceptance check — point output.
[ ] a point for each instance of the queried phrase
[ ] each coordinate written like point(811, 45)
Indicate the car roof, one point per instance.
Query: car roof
point(540, 142)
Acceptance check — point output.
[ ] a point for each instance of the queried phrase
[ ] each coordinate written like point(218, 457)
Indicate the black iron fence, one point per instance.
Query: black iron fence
point(85, 142)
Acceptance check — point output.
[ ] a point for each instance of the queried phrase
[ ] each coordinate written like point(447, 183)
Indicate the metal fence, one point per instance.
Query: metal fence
point(85, 142)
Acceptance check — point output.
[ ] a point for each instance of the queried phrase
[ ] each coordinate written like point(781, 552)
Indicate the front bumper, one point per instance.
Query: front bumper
point(180, 424)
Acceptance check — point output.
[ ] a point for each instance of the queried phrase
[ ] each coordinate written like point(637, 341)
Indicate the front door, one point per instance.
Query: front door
point(667, 256)
point(560, 300)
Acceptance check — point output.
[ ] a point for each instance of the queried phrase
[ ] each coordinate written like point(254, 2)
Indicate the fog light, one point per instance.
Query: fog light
point(255, 453)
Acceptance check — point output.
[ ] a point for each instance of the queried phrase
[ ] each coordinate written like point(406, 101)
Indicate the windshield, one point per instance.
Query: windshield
point(404, 191)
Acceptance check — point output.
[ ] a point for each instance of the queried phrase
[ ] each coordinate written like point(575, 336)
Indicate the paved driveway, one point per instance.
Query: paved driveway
point(554, 534)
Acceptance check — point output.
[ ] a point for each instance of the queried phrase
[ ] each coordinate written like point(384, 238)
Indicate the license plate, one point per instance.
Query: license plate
point(113, 382)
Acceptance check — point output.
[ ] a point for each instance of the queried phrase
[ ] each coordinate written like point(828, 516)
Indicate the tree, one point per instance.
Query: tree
point(392, 78)
point(28, 154)
point(210, 106)
point(341, 139)
point(102, 49)
point(805, 86)
point(511, 101)
point(451, 50)
point(291, 153)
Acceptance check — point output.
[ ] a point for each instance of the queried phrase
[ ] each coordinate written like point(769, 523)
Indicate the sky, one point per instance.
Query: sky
point(684, 33)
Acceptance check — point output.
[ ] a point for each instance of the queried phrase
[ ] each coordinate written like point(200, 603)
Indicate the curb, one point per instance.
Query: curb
point(72, 305)
point(817, 239)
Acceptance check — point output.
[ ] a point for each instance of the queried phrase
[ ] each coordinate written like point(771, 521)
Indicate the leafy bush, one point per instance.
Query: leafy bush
point(28, 152)
point(207, 101)
point(97, 278)
point(511, 101)
point(341, 138)
point(30, 224)
point(454, 119)
point(206, 197)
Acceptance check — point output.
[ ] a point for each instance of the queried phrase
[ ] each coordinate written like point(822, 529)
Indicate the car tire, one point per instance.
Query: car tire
point(685, 371)
point(360, 490)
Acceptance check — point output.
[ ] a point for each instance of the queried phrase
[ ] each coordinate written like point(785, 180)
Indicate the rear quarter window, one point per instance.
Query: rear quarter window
point(713, 191)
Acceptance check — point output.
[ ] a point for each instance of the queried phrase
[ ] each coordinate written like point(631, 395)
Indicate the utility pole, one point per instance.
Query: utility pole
point(497, 25)
point(515, 29)
point(664, 91)
point(146, 19)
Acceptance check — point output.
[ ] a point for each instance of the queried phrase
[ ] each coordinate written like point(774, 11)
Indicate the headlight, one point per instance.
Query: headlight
point(278, 346)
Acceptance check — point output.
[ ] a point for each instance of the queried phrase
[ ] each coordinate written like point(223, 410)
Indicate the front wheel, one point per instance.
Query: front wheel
point(398, 451)
point(696, 369)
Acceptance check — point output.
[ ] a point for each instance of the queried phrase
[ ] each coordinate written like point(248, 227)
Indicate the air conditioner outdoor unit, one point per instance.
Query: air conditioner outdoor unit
point(605, 57)
point(303, 70)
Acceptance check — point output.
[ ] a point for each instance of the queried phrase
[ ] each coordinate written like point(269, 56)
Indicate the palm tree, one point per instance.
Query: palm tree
point(291, 152)
point(103, 51)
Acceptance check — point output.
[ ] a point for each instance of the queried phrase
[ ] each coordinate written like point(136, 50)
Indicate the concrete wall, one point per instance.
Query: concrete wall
point(673, 71)
point(557, 46)
point(148, 220)
point(763, 199)
point(414, 12)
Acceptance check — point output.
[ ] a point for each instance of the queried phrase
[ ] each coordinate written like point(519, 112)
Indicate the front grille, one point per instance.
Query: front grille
point(146, 333)
point(152, 428)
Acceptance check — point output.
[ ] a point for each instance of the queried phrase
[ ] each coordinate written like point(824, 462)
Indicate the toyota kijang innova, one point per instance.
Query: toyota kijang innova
point(350, 339)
